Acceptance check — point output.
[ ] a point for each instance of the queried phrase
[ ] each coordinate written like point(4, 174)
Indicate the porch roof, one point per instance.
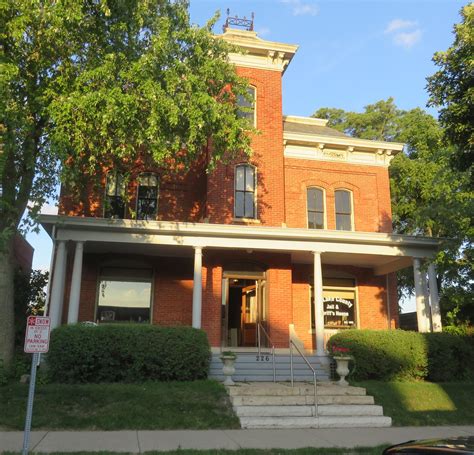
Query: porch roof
point(383, 252)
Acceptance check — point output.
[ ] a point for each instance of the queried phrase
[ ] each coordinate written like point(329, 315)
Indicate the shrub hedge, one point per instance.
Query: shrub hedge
point(127, 353)
point(401, 355)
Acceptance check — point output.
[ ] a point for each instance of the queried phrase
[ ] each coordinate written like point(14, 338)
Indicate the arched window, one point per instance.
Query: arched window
point(147, 196)
point(315, 205)
point(247, 106)
point(114, 206)
point(244, 200)
point(343, 210)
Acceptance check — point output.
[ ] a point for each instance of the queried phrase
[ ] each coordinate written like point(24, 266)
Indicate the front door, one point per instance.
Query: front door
point(243, 308)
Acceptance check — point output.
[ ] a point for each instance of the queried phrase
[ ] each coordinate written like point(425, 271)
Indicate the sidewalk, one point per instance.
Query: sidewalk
point(144, 441)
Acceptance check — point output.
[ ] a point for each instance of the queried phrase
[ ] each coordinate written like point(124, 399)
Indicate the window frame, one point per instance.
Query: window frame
point(324, 207)
point(107, 205)
point(254, 199)
point(329, 288)
point(351, 214)
point(241, 114)
point(125, 278)
point(148, 174)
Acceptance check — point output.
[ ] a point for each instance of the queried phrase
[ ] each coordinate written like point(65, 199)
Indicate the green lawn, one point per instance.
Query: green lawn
point(424, 403)
point(155, 405)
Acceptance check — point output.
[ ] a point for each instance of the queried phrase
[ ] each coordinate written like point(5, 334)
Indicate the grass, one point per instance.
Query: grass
point(424, 403)
point(306, 451)
point(198, 405)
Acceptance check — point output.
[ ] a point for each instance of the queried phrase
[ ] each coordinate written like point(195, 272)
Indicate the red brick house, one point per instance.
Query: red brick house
point(295, 240)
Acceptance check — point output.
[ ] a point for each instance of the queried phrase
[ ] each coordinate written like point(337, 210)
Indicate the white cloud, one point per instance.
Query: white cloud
point(404, 33)
point(264, 31)
point(399, 24)
point(49, 209)
point(407, 39)
point(301, 8)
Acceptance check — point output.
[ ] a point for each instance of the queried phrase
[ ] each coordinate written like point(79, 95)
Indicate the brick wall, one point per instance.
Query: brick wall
point(369, 185)
point(267, 156)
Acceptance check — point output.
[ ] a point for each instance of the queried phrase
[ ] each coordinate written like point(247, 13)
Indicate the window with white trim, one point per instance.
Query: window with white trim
point(247, 105)
point(315, 207)
point(114, 196)
point(147, 196)
point(343, 204)
point(124, 295)
point(244, 196)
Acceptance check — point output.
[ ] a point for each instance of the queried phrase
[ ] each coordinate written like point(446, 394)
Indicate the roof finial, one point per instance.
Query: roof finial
point(247, 24)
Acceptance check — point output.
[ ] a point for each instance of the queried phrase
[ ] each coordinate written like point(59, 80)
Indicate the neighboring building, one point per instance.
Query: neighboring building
point(297, 238)
point(22, 254)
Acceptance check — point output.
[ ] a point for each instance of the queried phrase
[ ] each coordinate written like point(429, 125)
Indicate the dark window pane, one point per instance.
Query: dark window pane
point(239, 204)
point(343, 202)
point(343, 222)
point(240, 178)
point(249, 205)
point(249, 178)
point(114, 207)
point(248, 107)
point(315, 199)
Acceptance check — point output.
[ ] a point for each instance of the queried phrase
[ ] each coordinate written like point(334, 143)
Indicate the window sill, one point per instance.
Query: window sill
point(246, 220)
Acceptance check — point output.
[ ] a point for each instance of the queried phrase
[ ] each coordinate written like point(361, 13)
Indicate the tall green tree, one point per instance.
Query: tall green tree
point(83, 83)
point(428, 196)
point(451, 89)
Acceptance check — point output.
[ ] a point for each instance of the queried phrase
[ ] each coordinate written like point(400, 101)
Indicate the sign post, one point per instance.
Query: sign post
point(36, 342)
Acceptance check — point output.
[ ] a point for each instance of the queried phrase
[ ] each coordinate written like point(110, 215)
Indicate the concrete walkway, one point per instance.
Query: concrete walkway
point(144, 441)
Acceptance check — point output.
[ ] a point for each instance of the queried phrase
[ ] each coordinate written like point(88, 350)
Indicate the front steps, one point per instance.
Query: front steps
point(249, 366)
point(278, 405)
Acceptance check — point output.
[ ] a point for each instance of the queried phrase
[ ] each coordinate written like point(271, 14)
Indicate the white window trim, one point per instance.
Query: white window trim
point(115, 173)
point(325, 226)
point(157, 192)
point(355, 288)
point(255, 207)
point(351, 193)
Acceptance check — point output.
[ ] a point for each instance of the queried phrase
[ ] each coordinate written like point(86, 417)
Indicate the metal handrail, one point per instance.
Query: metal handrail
point(293, 344)
point(259, 338)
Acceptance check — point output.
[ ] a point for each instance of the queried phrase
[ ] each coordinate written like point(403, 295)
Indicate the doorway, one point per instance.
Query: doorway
point(244, 306)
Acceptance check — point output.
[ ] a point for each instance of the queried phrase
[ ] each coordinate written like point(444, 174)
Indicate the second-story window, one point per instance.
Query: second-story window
point(245, 178)
point(247, 106)
point(147, 197)
point(315, 205)
point(114, 196)
point(343, 210)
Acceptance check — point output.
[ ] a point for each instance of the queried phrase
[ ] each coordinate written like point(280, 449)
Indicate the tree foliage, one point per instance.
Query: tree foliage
point(452, 90)
point(428, 196)
point(90, 83)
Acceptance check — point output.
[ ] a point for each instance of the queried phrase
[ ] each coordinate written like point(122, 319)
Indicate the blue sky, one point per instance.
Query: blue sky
point(352, 53)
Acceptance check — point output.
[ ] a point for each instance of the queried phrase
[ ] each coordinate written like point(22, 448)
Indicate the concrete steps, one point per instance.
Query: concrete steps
point(278, 405)
point(249, 366)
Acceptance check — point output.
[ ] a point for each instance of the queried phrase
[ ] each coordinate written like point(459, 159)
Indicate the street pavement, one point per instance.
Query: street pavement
point(145, 441)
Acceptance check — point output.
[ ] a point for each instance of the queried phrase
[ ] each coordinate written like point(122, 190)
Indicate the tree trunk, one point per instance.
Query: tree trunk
point(7, 318)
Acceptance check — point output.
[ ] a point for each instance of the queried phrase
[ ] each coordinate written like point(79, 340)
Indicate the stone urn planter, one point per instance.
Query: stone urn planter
point(342, 368)
point(228, 360)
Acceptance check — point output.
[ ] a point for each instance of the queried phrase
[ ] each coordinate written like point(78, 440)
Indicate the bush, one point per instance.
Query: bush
point(450, 356)
point(127, 353)
point(384, 354)
point(400, 355)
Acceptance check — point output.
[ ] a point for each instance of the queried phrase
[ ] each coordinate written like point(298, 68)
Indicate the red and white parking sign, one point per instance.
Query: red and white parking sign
point(37, 334)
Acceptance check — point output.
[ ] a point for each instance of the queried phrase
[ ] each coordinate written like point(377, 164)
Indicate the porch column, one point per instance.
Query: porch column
point(197, 287)
point(421, 304)
point(57, 290)
point(75, 294)
point(318, 304)
point(434, 299)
